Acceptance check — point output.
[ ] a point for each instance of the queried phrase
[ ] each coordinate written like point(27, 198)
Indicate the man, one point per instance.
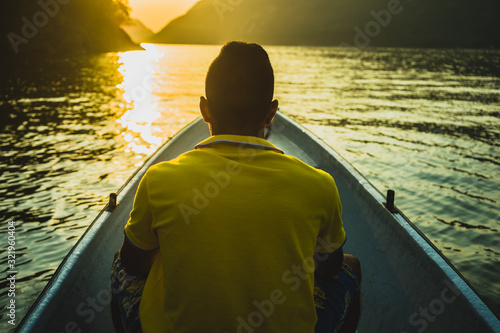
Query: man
point(235, 236)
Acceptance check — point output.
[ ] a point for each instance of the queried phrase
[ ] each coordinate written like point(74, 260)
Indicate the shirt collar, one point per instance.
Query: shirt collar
point(238, 140)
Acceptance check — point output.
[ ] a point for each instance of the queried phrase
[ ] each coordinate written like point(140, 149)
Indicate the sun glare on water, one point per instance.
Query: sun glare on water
point(139, 69)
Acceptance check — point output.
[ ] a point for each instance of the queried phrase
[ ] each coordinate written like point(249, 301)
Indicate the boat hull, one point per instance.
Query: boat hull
point(408, 286)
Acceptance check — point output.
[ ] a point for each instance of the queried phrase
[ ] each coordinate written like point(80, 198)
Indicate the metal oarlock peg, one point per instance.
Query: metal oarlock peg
point(112, 203)
point(390, 201)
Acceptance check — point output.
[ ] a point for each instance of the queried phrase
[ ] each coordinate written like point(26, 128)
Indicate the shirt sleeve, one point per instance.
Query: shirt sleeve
point(331, 234)
point(139, 227)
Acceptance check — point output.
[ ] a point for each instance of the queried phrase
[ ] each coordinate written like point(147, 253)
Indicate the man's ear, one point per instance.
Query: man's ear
point(273, 108)
point(205, 111)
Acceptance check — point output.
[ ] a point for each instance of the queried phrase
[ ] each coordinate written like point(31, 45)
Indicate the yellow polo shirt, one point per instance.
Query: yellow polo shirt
point(237, 223)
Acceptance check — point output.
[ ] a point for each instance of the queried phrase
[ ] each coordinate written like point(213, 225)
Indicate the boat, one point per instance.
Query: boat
point(408, 285)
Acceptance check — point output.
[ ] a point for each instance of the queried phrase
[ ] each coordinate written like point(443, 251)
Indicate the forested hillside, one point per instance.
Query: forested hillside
point(358, 23)
point(32, 28)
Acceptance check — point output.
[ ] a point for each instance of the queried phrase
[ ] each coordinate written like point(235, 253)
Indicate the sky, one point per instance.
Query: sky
point(155, 14)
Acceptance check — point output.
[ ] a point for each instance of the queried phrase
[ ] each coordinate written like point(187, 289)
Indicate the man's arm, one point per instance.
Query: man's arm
point(136, 261)
point(329, 264)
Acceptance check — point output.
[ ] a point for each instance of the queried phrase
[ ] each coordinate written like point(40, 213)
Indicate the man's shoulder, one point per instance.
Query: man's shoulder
point(189, 156)
point(177, 164)
point(309, 176)
point(307, 170)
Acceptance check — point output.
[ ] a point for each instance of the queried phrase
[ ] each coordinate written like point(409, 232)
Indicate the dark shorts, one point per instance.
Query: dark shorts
point(126, 298)
point(332, 296)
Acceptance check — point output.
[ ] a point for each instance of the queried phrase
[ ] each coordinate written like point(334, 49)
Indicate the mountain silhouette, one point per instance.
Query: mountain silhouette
point(137, 31)
point(37, 29)
point(354, 23)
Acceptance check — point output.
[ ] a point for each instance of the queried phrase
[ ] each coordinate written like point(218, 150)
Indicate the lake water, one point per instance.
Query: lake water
point(425, 123)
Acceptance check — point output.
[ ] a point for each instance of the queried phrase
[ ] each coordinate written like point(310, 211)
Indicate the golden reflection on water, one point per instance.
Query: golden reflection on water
point(139, 70)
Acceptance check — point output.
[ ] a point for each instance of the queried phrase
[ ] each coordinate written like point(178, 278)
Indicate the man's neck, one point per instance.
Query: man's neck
point(245, 132)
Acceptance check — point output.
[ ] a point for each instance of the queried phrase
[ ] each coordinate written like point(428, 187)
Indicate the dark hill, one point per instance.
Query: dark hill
point(360, 23)
point(137, 31)
point(50, 28)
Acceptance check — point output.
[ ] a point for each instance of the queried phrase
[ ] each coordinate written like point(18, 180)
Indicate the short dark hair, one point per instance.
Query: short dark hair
point(240, 84)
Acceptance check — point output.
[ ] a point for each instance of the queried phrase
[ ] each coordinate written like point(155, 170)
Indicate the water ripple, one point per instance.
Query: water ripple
point(457, 223)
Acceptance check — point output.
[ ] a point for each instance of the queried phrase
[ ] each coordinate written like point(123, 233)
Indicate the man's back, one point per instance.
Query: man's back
point(223, 238)
point(237, 224)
